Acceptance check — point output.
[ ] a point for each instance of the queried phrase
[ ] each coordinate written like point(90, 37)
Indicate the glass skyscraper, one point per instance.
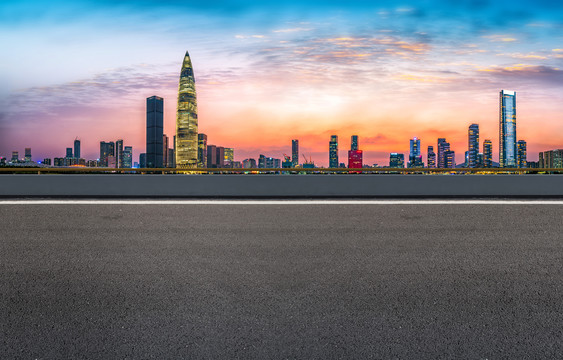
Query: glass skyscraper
point(155, 118)
point(107, 149)
point(473, 148)
point(396, 160)
point(294, 153)
point(431, 157)
point(507, 134)
point(119, 153)
point(354, 145)
point(201, 150)
point(415, 159)
point(333, 152)
point(443, 146)
point(77, 148)
point(522, 154)
point(487, 153)
point(186, 119)
point(127, 157)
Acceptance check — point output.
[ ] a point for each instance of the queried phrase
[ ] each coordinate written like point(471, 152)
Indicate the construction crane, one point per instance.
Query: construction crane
point(286, 158)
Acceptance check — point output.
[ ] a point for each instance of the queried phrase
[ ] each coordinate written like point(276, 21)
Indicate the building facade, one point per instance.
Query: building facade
point(354, 143)
point(396, 160)
point(443, 146)
point(508, 151)
point(522, 154)
point(127, 157)
point(77, 152)
point(186, 118)
point(107, 149)
point(431, 157)
point(294, 152)
point(449, 159)
point(201, 150)
point(155, 120)
point(487, 153)
point(333, 152)
point(119, 153)
point(415, 159)
point(355, 159)
point(473, 146)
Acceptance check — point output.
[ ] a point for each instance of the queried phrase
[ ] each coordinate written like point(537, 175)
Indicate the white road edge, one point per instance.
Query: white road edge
point(278, 202)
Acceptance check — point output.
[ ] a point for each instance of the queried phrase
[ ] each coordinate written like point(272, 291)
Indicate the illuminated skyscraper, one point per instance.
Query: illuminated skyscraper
point(415, 159)
point(107, 149)
point(487, 153)
point(507, 132)
point(443, 146)
point(355, 159)
point(127, 157)
point(164, 151)
point(449, 158)
point(77, 148)
point(186, 119)
point(294, 153)
point(119, 153)
point(473, 148)
point(27, 155)
point(333, 152)
point(201, 150)
point(354, 145)
point(155, 119)
point(229, 156)
point(522, 154)
point(396, 160)
point(431, 157)
point(15, 156)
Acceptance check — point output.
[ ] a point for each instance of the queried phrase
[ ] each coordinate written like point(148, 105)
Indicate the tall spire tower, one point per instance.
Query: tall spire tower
point(186, 119)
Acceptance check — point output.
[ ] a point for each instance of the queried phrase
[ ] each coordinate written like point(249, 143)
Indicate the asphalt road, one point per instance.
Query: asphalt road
point(281, 281)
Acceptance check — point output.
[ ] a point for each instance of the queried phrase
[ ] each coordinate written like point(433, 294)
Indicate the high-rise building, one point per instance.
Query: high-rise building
point(229, 156)
point(473, 148)
point(294, 153)
point(164, 150)
point(522, 154)
point(443, 146)
point(127, 157)
point(186, 119)
point(449, 158)
point(487, 153)
point(333, 152)
point(552, 159)
point(171, 158)
point(112, 162)
point(77, 148)
point(47, 161)
point(201, 150)
point(431, 157)
point(107, 149)
point(396, 160)
point(143, 160)
point(261, 161)
point(415, 159)
point(220, 157)
point(27, 157)
point(119, 153)
point(68, 153)
point(354, 145)
point(507, 135)
point(15, 156)
point(355, 159)
point(155, 120)
point(211, 156)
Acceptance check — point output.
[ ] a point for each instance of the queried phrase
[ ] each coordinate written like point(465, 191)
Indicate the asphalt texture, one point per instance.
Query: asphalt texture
point(281, 281)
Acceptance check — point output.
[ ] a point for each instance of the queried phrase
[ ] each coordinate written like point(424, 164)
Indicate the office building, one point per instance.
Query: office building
point(473, 146)
point(112, 162)
point(229, 156)
point(59, 161)
point(294, 152)
point(171, 158)
point(211, 156)
point(443, 146)
point(47, 161)
point(396, 160)
point(415, 159)
point(68, 153)
point(487, 154)
point(249, 163)
point(107, 149)
point(261, 161)
point(27, 157)
point(127, 157)
point(201, 150)
point(119, 153)
point(186, 118)
point(333, 152)
point(143, 160)
point(77, 148)
point(15, 156)
point(508, 152)
point(220, 157)
point(355, 159)
point(92, 163)
point(155, 119)
point(164, 150)
point(354, 143)
point(431, 157)
point(449, 159)
point(521, 154)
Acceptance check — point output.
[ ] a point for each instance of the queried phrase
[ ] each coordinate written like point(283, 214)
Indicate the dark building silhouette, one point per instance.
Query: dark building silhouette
point(201, 150)
point(107, 149)
point(155, 119)
point(333, 152)
point(431, 157)
point(396, 160)
point(294, 153)
point(354, 143)
point(77, 148)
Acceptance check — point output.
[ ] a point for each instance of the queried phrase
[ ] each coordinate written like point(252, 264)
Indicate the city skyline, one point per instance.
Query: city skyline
point(384, 72)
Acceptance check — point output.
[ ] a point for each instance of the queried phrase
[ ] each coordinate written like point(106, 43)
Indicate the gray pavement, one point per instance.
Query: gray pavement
point(281, 281)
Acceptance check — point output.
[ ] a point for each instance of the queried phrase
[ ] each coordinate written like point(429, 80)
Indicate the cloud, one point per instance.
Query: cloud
point(299, 29)
point(524, 56)
point(500, 38)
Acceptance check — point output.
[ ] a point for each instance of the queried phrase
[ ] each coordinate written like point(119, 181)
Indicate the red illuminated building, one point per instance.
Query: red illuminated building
point(355, 159)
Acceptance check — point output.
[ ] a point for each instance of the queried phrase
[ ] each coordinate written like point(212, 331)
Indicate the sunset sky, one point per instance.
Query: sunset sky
point(265, 74)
